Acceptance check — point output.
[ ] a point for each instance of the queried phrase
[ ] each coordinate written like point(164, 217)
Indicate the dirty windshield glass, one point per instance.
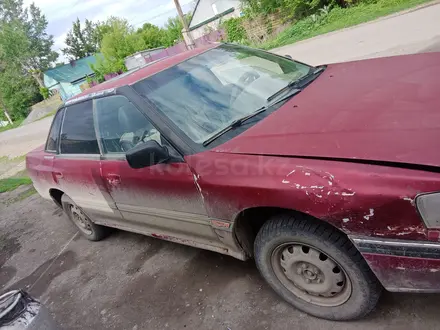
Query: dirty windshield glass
point(206, 93)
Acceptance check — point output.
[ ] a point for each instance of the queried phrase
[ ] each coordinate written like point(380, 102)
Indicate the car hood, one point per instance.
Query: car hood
point(385, 109)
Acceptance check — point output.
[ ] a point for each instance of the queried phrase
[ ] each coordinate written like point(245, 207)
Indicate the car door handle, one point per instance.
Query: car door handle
point(56, 176)
point(113, 179)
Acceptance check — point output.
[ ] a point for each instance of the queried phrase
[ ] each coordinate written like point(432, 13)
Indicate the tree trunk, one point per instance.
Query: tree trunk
point(37, 77)
point(7, 116)
point(5, 111)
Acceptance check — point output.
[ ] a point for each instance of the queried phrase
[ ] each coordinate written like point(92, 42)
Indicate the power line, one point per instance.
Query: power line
point(156, 16)
point(191, 4)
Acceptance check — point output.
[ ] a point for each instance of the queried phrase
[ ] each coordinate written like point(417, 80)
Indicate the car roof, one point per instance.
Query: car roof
point(142, 73)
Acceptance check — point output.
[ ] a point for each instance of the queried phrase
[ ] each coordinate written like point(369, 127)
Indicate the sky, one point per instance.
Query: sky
point(61, 13)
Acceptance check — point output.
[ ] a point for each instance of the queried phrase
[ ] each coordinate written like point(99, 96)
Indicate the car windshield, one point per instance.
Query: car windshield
point(204, 94)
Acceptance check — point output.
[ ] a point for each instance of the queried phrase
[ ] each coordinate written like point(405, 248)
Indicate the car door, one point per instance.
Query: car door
point(162, 199)
point(76, 166)
point(44, 170)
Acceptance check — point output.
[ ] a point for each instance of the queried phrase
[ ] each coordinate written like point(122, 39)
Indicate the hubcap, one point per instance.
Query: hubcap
point(311, 274)
point(81, 220)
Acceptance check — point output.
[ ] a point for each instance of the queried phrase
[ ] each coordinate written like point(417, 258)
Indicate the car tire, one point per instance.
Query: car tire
point(87, 228)
point(316, 268)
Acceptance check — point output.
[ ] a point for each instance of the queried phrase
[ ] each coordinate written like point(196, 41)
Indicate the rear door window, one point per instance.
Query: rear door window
point(78, 132)
point(54, 134)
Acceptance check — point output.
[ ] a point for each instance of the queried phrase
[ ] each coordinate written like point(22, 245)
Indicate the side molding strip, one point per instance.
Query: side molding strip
point(414, 249)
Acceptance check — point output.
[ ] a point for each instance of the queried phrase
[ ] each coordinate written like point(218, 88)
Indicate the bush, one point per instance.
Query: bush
point(331, 18)
point(104, 67)
point(44, 91)
point(294, 9)
point(298, 9)
point(234, 29)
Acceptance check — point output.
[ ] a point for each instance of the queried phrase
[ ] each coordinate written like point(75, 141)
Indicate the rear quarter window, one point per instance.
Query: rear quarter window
point(78, 132)
point(54, 133)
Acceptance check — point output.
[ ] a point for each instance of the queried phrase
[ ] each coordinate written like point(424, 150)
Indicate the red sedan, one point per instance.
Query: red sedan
point(327, 176)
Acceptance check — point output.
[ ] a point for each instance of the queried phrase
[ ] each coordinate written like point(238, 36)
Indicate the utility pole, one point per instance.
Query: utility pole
point(186, 33)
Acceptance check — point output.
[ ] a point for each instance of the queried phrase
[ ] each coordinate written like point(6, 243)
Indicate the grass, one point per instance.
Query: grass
point(19, 179)
point(19, 159)
point(15, 124)
point(10, 184)
point(338, 18)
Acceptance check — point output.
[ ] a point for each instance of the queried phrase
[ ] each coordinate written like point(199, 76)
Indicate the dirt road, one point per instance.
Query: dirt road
point(17, 142)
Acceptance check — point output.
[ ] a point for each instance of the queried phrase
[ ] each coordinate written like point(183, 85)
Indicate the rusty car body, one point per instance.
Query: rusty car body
point(348, 158)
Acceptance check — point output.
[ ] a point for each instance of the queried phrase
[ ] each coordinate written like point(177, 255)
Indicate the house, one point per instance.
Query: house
point(67, 79)
point(208, 14)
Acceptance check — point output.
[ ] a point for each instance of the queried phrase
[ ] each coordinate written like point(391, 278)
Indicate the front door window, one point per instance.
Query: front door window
point(121, 126)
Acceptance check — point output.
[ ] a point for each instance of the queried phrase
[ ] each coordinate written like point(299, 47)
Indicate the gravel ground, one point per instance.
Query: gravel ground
point(130, 281)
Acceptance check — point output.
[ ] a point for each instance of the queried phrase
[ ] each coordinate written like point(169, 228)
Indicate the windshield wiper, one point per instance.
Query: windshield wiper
point(296, 83)
point(239, 122)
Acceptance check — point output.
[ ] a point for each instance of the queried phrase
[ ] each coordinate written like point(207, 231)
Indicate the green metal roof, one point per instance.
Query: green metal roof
point(73, 71)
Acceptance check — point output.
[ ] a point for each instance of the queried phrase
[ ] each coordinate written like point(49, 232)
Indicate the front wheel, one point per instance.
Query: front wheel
point(315, 268)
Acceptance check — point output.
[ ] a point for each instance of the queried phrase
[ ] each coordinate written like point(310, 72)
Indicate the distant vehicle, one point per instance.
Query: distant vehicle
point(327, 176)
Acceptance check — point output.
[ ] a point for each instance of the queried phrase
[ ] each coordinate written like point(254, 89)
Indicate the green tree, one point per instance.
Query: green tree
point(40, 55)
point(102, 28)
point(25, 52)
point(152, 35)
point(119, 40)
point(82, 41)
point(18, 92)
point(173, 30)
point(12, 10)
point(35, 54)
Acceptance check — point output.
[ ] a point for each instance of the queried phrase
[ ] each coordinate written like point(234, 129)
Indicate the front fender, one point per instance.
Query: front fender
point(359, 199)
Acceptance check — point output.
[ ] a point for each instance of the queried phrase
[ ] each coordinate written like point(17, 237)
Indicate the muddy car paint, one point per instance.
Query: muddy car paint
point(359, 173)
point(360, 199)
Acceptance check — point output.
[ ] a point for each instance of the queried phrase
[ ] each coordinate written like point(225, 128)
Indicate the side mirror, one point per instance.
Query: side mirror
point(147, 154)
point(289, 57)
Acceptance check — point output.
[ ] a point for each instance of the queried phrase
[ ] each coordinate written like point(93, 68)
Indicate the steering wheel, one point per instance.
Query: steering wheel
point(246, 79)
point(144, 134)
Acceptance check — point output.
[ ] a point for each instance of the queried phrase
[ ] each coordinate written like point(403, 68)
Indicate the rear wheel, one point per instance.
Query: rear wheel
point(87, 228)
point(315, 268)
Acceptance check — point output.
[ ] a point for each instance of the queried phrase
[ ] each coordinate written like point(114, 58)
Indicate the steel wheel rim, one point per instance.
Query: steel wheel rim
point(81, 220)
point(311, 275)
